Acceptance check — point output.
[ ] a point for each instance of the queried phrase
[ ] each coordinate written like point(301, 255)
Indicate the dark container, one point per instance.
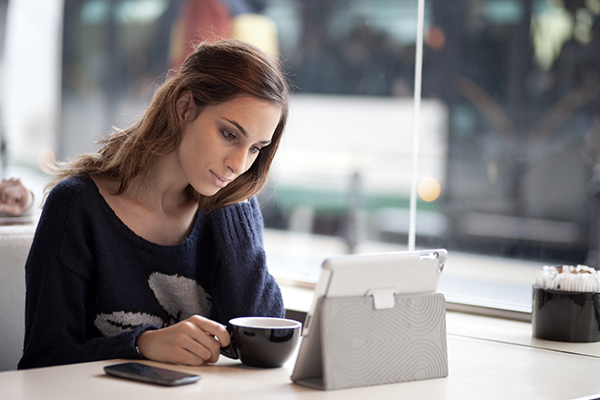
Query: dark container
point(566, 316)
point(261, 341)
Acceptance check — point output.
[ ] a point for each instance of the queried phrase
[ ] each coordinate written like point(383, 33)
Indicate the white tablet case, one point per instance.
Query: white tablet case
point(356, 342)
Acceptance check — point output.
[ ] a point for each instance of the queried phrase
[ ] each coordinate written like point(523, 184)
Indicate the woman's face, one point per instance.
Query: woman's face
point(223, 141)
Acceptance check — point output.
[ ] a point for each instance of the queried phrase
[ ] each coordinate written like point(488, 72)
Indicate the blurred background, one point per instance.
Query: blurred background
point(509, 162)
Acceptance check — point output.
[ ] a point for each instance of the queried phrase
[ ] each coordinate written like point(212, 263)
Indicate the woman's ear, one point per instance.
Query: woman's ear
point(184, 106)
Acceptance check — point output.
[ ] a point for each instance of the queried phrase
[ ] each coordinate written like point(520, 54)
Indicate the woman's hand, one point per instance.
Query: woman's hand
point(15, 198)
point(195, 341)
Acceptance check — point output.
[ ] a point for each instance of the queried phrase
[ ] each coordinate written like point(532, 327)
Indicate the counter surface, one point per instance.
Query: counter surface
point(488, 358)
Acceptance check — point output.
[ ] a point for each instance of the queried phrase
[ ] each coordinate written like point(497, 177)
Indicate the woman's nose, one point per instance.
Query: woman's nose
point(236, 162)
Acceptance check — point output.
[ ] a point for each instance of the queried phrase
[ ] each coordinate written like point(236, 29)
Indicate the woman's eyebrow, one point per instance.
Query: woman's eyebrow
point(243, 131)
point(240, 128)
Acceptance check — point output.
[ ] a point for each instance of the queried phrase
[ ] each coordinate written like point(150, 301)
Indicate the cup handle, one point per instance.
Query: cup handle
point(230, 351)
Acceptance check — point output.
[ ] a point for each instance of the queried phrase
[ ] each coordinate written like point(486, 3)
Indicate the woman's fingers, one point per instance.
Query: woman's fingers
point(210, 335)
point(194, 341)
point(212, 328)
point(198, 342)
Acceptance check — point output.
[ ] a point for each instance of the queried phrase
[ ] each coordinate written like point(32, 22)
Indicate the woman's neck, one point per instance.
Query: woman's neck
point(161, 189)
point(155, 205)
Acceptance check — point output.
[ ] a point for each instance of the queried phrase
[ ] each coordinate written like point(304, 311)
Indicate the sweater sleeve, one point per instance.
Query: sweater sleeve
point(244, 285)
point(60, 273)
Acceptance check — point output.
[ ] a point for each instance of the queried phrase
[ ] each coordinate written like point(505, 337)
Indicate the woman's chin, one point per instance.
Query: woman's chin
point(208, 192)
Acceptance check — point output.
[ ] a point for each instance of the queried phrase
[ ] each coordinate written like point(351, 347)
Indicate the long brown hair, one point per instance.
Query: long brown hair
point(215, 73)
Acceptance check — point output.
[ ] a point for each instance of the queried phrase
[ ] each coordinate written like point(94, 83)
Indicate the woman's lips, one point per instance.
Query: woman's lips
point(218, 181)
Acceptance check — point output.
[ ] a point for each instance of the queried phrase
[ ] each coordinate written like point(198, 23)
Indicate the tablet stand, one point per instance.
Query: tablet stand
point(376, 339)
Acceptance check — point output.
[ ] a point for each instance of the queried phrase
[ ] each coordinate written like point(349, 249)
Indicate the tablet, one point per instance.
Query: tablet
point(417, 271)
point(381, 276)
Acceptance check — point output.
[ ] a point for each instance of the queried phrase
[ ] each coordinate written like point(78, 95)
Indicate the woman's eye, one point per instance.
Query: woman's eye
point(255, 149)
point(228, 135)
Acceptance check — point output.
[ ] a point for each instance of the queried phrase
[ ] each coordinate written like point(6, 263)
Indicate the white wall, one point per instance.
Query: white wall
point(31, 77)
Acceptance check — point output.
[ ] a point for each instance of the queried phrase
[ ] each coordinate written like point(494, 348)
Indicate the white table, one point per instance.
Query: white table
point(489, 358)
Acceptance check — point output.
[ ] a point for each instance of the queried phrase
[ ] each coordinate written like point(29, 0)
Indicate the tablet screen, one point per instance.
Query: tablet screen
point(404, 272)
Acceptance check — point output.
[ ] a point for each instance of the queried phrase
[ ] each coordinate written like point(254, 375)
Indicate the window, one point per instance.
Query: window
point(509, 130)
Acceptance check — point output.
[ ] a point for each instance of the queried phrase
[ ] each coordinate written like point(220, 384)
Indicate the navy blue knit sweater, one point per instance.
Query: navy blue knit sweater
point(93, 285)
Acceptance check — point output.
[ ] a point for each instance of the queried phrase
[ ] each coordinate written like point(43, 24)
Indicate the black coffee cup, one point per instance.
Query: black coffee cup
point(262, 341)
point(566, 316)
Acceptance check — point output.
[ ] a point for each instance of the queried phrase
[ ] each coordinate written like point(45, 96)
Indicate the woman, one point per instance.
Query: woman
point(145, 248)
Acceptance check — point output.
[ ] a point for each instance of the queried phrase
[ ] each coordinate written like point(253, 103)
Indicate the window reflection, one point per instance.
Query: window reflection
point(523, 99)
point(510, 129)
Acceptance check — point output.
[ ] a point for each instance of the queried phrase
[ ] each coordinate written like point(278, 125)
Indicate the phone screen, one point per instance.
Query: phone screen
point(147, 373)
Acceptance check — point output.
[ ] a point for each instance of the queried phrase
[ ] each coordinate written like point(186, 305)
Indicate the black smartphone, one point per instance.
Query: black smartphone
point(149, 374)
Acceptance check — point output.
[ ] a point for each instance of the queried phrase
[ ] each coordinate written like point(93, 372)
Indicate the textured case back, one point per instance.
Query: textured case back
point(363, 346)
